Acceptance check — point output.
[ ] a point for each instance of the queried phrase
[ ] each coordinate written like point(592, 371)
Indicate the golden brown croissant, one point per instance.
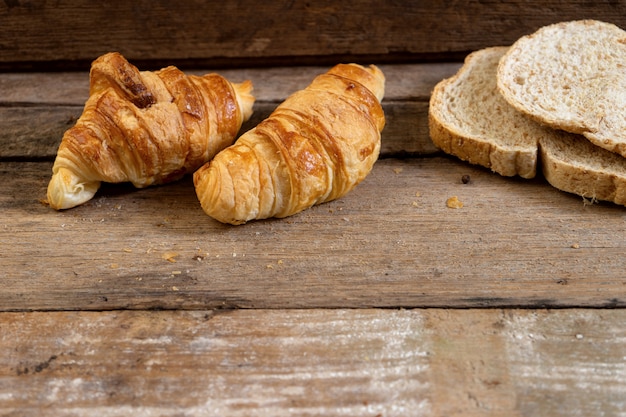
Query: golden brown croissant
point(315, 147)
point(145, 128)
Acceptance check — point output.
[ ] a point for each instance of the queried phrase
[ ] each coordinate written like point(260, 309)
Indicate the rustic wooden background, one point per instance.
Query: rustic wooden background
point(383, 303)
point(71, 33)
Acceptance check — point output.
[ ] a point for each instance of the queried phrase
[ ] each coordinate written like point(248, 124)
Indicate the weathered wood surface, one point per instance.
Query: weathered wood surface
point(72, 32)
point(308, 341)
point(314, 363)
point(35, 109)
point(390, 242)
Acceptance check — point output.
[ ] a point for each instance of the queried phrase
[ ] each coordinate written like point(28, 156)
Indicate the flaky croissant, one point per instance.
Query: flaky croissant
point(315, 147)
point(145, 128)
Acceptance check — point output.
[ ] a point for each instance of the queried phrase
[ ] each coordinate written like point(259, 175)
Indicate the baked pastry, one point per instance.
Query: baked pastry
point(315, 147)
point(145, 128)
point(469, 118)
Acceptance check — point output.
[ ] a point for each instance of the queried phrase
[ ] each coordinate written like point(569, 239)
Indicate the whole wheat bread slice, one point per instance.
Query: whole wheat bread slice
point(573, 164)
point(571, 76)
point(469, 118)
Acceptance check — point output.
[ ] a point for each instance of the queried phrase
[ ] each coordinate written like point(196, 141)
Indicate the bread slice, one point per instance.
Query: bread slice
point(469, 118)
point(571, 76)
point(573, 164)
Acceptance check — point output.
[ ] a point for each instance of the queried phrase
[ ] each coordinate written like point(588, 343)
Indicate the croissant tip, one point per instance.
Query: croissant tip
point(371, 77)
point(245, 99)
point(246, 86)
point(66, 190)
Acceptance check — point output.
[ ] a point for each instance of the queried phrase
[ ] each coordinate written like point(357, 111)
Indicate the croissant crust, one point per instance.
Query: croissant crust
point(145, 128)
point(315, 147)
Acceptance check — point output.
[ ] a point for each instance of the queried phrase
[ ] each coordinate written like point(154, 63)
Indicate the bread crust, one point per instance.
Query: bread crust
point(467, 131)
point(573, 164)
point(568, 161)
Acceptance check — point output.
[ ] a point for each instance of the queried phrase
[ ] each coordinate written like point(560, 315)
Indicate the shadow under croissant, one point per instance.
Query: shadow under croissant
point(179, 193)
point(166, 202)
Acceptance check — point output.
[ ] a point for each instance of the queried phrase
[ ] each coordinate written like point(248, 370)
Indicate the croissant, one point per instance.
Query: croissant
point(145, 128)
point(315, 147)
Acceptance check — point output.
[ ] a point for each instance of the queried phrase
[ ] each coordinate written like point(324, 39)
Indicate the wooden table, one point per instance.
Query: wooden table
point(385, 302)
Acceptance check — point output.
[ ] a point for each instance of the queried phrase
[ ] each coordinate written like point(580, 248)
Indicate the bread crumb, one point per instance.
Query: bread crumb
point(269, 266)
point(575, 246)
point(589, 201)
point(414, 204)
point(127, 250)
point(418, 194)
point(454, 202)
point(177, 272)
point(174, 288)
point(170, 256)
point(398, 170)
point(280, 262)
point(114, 266)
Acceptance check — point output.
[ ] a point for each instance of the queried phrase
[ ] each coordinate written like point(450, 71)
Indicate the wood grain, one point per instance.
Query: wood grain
point(139, 304)
point(71, 33)
point(35, 132)
point(36, 109)
point(404, 82)
point(390, 242)
point(314, 363)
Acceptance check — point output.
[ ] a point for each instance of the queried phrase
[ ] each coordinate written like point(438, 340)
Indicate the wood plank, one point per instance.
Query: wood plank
point(73, 32)
point(36, 109)
point(403, 82)
point(314, 362)
point(390, 242)
point(35, 132)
